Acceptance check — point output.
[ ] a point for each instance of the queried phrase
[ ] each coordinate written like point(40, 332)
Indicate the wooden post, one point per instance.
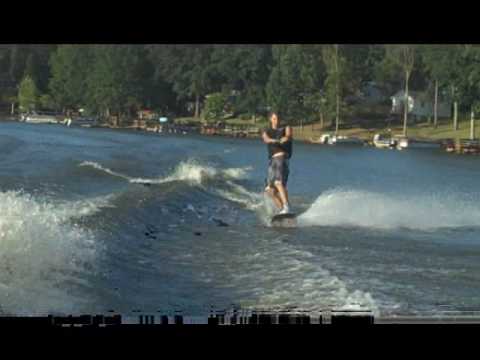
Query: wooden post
point(337, 118)
point(455, 115)
point(472, 126)
point(405, 107)
point(197, 106)
point(435, 106)
point(13, 108)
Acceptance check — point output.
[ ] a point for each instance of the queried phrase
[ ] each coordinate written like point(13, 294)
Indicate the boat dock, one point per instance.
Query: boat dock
point(461, 146)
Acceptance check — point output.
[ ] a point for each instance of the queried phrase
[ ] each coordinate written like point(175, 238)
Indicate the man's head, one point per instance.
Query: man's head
point(274, 119)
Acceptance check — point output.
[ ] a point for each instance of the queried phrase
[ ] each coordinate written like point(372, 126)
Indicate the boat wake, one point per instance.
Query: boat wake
point(190, 171)
point(196, 174)
point(375, 210)
point(44, 254)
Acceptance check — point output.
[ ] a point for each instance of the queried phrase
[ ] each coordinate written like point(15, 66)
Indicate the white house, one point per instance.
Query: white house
point(420, 104)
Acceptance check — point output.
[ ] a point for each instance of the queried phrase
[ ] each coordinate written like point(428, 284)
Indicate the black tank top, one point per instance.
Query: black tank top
point(276, 148)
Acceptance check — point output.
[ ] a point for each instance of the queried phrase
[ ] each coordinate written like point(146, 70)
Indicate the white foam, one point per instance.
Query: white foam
point(102, 168)
point(40, 252)
point(239, 194)
point(377, 210)
point(194, 172)
point(189, 171)
point(237, 173)
point(288, 277)
point(75, 209)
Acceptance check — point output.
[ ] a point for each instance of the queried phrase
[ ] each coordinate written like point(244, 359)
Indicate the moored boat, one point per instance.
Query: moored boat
point(383, 142)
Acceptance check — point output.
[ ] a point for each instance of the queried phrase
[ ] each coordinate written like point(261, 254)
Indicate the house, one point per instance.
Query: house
point(147, 114)
point(420, 105)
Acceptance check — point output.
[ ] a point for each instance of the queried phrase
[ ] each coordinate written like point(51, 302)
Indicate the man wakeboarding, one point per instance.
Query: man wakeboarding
point(279, 144)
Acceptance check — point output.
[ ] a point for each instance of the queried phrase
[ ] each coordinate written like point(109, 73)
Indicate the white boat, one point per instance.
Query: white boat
point(383, 142)
point(80, 121)
point(326, 139)
point(331, 139)
point(323, 139)
point(345, 140)
point(41, 119)
point(402, 142)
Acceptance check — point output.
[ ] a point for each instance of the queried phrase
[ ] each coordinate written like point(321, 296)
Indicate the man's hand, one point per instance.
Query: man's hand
point(269, 140)
point(288, 136)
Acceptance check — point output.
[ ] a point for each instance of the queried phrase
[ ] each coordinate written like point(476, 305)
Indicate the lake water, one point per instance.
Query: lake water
point(93, 220)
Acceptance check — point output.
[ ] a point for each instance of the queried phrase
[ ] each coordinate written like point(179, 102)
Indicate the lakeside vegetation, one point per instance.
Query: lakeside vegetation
point(315, 87)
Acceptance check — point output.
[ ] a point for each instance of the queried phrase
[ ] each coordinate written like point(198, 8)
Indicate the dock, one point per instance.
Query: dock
point(461, 146)
point(468, 146)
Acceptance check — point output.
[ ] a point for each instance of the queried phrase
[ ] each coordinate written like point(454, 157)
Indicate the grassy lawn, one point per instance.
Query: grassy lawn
point(420, 131)
point(366, 129)
point(443, 131)
point(185, 120)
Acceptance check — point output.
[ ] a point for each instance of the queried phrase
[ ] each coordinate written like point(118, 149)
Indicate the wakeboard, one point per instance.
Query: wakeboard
point(284, 220)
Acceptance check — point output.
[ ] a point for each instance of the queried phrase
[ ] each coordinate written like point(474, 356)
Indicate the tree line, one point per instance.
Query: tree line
point(304, 82)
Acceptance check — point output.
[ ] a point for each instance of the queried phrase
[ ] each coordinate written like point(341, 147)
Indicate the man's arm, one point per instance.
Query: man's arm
point(267, 139)
point(288, 134)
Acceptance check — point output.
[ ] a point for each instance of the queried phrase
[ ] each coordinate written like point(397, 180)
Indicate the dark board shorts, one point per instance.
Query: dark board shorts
point(277, 171)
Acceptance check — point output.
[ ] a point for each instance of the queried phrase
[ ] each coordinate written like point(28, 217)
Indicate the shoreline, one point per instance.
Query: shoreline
point(419, 131)
point(307, 135)
point(299, 135)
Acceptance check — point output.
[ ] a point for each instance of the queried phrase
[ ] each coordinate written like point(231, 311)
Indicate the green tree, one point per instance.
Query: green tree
point(46, 101)
point(361, 61)
point(432, 58)
point(31, 67)
point(70, 68)
point(244, 68)
point(32, 60)
point(313, 76)
point(402, 57)
point(372, 62)
point(158, 92)
point(294, 80)
point(336, 84)
point(117, 80)
point(453, 68)
point(37, 65)
point(469, 78)
point(189, 70)
point(41, 65)
point(317, 102)
point(215, 106)
point(27, 94)
point(447, 66)
point(104, 93)
point(18, 58)
point(283, 87)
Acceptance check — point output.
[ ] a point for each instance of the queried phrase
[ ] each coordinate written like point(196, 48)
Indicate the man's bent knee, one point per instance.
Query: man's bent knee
point(270, 190)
